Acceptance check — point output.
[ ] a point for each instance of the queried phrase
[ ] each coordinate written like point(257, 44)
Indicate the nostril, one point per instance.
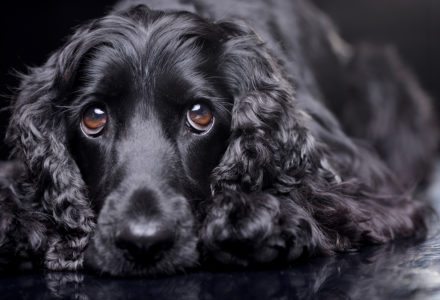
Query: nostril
point(145, 242)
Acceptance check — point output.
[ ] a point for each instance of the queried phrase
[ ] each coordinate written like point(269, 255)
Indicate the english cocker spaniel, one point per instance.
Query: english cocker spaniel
point(187, 133)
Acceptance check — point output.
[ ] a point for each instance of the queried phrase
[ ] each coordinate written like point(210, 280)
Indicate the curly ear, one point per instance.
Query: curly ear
point(291, 182)
point(38, 135)
point(266, 127)
point(270, 152)
point(22, 230)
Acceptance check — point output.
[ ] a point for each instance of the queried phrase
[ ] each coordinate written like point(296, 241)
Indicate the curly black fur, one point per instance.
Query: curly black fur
point(277, 178)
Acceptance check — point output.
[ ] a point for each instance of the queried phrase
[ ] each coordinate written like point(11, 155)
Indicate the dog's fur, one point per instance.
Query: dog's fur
point(316, 146)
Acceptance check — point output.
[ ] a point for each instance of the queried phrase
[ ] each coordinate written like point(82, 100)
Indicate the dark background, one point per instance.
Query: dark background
point(31, 30)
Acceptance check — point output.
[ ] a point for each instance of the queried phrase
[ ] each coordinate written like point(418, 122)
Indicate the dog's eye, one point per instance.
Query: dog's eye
point(93, 120)
point(200, 118)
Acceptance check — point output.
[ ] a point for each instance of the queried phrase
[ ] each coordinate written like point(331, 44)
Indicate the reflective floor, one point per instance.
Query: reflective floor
point(401, 270)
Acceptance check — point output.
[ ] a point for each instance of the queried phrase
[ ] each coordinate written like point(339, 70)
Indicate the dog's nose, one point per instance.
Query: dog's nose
point(145, 242)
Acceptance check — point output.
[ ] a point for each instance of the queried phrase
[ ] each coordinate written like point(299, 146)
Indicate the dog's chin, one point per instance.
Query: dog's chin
point(112, 261)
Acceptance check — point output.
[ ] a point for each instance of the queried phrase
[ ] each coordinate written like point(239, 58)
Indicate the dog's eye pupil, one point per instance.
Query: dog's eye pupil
point(200, 117)
point(93, 121)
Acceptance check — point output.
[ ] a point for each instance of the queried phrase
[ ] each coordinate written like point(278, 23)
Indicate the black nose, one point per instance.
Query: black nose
point(145, 242)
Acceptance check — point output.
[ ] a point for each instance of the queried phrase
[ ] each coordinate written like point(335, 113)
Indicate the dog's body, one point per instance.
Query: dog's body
point(273, 175)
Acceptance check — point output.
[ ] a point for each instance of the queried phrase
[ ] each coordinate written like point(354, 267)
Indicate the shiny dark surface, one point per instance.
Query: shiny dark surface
point(407, 269)
point(403, 270)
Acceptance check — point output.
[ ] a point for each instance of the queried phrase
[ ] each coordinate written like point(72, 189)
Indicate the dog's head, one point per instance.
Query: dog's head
point(136, 122)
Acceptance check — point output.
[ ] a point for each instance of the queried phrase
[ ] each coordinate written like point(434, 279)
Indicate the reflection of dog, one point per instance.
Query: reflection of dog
point(373, 273)
point(179, 136)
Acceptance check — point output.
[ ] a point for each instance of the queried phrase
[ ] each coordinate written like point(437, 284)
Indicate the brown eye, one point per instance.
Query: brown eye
point(200, 118)
point(93, 121)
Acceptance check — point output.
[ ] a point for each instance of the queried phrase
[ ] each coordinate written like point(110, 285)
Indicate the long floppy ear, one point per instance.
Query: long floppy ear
point(269, 153)
point(292, 182)
point(266, 126)
point(37, 133)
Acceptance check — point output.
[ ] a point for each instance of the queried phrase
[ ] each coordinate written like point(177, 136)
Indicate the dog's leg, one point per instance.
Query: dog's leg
point(259, 228)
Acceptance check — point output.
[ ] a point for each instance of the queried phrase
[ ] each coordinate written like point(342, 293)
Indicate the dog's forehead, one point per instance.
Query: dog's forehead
point(164, 42)
point(167, 56)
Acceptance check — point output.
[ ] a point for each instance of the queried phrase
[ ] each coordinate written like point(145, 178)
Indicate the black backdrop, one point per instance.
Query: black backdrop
point(30, 30)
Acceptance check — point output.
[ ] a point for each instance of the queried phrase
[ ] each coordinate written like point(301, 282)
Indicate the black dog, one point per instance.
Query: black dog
point(154, 141)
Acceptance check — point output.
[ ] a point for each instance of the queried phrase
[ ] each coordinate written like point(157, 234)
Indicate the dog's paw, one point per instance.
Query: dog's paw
point(252, 229)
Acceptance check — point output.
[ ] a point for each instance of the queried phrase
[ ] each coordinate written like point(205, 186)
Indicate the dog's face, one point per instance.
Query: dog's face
point(149, 120)
point(165, 128)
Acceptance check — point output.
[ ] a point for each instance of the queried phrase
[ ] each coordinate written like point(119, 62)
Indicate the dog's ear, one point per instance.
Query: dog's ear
point(270, 152)
point(37, 133)
point(285, 174)
point(268, 136)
